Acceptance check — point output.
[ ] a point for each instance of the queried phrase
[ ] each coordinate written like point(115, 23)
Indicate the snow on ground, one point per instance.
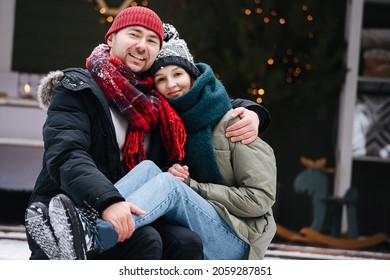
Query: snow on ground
point(14, 250)
point(18, 250)
point(13, 246)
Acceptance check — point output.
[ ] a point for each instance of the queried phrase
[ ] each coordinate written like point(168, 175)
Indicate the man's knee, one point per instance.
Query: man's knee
point(191, 239)
point(147, 236)
point(180, 243)
point(192, 247)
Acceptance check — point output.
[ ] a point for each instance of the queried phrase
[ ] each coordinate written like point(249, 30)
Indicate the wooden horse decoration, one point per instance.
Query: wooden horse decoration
point(314, 181)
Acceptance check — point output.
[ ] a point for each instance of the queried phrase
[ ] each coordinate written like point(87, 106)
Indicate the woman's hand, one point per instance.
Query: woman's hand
point(179, 171)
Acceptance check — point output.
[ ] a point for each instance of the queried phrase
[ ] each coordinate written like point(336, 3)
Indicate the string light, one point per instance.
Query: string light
point(110, 12)
point(106, 10)
point(254, 90)
point(295, 62)
point(259, 10)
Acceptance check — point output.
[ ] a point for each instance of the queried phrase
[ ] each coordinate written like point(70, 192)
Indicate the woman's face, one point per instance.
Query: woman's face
point(172, 81)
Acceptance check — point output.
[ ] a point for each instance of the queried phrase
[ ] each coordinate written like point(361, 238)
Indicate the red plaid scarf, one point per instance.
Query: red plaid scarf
point(142, 106)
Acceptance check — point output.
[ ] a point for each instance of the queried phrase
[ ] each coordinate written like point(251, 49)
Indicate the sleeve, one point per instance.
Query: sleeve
point(67, 138)
point(254, 192)
point(262, 112)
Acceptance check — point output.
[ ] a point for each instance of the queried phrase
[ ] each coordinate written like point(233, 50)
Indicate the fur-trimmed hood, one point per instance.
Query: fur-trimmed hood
point(45, 88)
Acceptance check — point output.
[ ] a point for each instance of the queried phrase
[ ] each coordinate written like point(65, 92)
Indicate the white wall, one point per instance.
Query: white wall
point(7, 23)
point(19, 164)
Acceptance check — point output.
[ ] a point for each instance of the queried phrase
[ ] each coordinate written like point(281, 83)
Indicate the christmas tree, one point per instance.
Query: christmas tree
point(272, 51)
point(285, 55)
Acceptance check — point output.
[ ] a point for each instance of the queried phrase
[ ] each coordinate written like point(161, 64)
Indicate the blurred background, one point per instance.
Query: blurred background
point(305, 61)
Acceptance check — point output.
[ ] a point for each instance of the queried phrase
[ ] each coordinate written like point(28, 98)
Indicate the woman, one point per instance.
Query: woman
point(238, 180)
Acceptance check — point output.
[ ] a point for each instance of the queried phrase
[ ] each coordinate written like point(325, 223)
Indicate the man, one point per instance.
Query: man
point(98, 127)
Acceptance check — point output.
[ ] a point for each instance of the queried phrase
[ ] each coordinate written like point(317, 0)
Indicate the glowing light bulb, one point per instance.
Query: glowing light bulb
point(27, 88)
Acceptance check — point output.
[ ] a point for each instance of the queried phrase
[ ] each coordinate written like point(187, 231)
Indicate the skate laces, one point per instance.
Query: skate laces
point(88, 217)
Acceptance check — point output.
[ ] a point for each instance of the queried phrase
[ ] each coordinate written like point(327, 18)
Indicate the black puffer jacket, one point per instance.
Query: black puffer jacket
point(81, 155)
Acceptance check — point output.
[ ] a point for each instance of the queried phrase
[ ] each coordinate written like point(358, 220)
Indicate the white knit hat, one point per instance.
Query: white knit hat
point(174, 52)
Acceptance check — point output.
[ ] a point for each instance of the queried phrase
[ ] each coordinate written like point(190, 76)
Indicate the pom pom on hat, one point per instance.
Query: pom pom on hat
point(174, 52)
point(170, 32)
point(137, 15)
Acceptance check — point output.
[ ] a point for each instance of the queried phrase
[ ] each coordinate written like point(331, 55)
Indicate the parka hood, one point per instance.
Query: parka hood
point(45, 88)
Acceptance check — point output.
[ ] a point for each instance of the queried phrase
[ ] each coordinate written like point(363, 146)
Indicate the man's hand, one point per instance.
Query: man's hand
point(246, 129)
point(179, 171)
point(119, 214)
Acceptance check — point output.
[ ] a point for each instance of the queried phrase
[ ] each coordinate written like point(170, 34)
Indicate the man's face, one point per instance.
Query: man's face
point(136, 46)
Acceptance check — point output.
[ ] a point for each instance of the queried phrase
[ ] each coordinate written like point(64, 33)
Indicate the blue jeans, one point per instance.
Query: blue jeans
point(161, 194)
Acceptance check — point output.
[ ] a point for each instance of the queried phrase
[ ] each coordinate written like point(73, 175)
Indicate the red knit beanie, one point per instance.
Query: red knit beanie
point(137, 15)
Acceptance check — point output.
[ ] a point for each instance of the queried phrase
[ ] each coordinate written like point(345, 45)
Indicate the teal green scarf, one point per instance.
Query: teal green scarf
point(201, 109)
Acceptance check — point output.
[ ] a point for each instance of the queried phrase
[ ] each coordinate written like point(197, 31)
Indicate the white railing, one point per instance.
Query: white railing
point(31, 143)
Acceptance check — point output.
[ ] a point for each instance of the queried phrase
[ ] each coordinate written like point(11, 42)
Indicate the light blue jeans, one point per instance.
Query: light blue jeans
point(161, 194)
